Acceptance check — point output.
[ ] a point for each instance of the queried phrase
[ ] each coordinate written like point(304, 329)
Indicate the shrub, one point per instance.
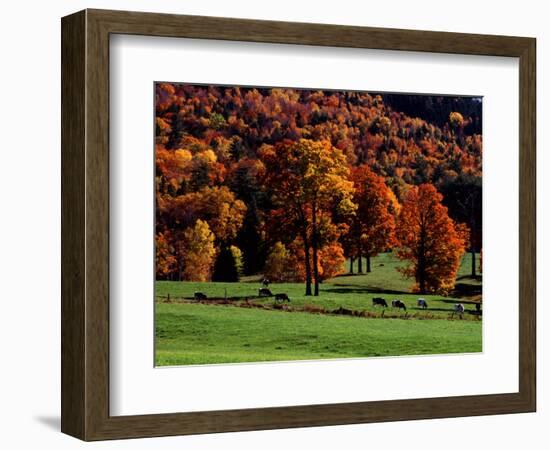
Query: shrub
point(238, 257)
point(279, 264)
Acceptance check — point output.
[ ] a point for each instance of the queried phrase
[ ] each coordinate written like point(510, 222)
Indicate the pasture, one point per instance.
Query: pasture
point(188, 333)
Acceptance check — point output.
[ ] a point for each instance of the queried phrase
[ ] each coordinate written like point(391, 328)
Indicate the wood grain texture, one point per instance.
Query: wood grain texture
point(527, 224)
point(201, 27)
point(85, 224)
point(97, 225)
point(73, 109)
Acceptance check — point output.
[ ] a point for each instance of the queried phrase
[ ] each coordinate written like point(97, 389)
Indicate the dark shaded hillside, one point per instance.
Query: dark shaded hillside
point(436, 109)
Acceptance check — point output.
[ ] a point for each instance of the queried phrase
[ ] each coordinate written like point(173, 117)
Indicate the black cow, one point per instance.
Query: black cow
point(422, 303)
point(398, 304)
point(199, 296)
point(264, 292)
point(379, 301)
point(266, 282)
point(282, 298)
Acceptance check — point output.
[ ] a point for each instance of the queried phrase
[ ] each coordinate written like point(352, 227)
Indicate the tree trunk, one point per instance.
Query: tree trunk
point(351, 264)
point(315, 273)
point(472, 239)
point(473, 246)
point(359, 257)
point(307, 264)
point(314, 245)
point(421, 269)
point(368, 263)
point(421, 274)
point(180, 268)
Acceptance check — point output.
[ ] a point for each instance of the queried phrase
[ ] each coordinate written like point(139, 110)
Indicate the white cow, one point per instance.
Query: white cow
point(458, 308)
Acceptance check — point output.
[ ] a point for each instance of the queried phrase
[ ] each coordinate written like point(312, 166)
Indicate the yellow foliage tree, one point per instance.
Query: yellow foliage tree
point(198, 252)
point(238, 257)
point(278, 264)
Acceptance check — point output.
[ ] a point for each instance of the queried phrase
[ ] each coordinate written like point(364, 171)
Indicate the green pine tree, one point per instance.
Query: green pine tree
point(225, 267)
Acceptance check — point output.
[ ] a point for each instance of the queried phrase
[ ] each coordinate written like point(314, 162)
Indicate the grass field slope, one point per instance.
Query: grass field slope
point(232, 331)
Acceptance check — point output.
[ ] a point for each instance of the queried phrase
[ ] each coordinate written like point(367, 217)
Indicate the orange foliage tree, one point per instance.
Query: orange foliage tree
point(430, 240)
point(216, 205)
point(330, 260)
point(308, 178)
point(188, 215)
point(166, 262)
point(373, 227)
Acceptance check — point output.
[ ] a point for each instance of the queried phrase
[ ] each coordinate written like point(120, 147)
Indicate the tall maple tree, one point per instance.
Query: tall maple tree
point(430, 240)
point(373, 227)
point(308, 178)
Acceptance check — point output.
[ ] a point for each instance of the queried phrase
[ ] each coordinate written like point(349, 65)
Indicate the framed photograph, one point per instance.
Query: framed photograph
point(273, 225)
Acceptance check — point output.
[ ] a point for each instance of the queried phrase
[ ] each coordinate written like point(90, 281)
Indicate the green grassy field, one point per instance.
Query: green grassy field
point(204, 334)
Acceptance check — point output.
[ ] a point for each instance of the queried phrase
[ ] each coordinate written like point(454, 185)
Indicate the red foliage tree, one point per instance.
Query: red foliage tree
point(430, 240)
point(373, 227)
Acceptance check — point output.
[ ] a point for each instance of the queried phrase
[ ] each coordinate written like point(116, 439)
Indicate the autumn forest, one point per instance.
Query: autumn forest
point(268, 176)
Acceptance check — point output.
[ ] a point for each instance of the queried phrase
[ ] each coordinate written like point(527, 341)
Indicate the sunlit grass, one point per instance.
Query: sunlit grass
point(205, 334)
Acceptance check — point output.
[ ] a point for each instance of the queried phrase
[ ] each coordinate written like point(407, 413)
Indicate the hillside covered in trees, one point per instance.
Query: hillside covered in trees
point(291, 182)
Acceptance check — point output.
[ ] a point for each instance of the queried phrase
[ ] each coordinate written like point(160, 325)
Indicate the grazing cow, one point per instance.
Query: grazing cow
point(266, 282)
point(200, 296)
point(379, 301)
point(422, 303)
point(282, 298)
point(398, 304)
point(458, 308)
point(265, 292)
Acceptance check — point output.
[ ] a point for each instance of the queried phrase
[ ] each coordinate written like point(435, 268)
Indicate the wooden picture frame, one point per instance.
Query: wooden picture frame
point(85, 224)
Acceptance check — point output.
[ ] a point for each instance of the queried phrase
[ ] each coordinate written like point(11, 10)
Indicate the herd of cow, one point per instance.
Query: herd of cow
point(263, 292)
point(458, 308)
point(379, 301)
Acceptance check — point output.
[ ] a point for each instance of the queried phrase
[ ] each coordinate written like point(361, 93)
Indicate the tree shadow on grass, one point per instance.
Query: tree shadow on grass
point(431, 310)
point(465, 302)
point(467, 290)
point(477, 278)
point(445, 310)
point(354, 289)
